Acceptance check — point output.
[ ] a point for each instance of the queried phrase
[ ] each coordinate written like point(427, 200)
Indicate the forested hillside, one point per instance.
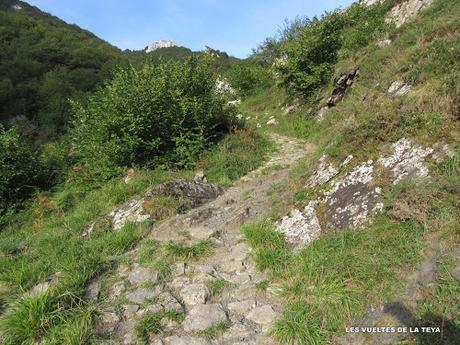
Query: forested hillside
point(44, 62)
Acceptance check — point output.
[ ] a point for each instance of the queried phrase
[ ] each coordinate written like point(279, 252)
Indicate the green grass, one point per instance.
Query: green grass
point(216, 286)
point(214, 331)
point(271, 252)
point(336, 277)
point(150, 323)
point(236, 155)
point(195, 251)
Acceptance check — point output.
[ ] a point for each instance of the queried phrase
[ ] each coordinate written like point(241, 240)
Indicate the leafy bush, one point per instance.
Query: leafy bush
point(156, 114)
point(311, 58)
point(248, 78)
point(312, 47)
point(18, 170)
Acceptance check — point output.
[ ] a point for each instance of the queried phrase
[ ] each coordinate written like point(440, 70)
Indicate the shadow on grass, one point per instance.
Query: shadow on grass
point(450, 333)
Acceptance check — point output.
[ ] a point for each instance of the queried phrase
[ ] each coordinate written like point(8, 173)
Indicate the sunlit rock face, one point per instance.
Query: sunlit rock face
point(161, 44)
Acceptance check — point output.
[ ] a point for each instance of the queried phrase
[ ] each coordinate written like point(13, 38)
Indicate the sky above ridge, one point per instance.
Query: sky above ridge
point(234, 26)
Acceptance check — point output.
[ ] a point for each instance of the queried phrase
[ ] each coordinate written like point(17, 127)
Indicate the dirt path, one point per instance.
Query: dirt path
point(217, 294)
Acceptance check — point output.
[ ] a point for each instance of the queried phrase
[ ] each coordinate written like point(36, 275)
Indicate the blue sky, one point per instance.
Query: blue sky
point(234, 26)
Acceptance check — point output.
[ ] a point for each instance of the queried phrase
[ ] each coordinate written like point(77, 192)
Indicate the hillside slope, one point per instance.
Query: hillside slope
point(44, 62)
point(351, 221)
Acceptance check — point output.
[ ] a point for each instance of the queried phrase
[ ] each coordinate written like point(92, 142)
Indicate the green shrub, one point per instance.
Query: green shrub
point(18, 170)
point(249, 77)
point(311, 48)
point(312, 54)
point(162, 113)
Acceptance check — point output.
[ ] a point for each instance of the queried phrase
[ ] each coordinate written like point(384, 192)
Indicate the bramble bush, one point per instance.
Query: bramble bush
point(161, 113)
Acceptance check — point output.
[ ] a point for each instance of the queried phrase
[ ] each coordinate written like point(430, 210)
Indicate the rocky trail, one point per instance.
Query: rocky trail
point(217, 294)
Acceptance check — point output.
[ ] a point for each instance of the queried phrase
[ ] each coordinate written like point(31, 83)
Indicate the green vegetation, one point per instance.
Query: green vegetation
point(164, 118)
point(335, 280)
point(18, 171)
point(44, 62)
point(214, 331)
point(150, 323)
point(216, 286)
point(271, 252)
point(195, 251)
point(160, 113)
point(249, 77)
point(236, 155)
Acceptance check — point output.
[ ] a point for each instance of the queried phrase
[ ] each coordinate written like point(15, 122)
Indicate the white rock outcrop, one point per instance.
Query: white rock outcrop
point(131, 211)
point(323, 174)
point(351, 200)
point(406, 10)
point(399, 88)
point(300, 228)
point(407, 160)
point(160, 44)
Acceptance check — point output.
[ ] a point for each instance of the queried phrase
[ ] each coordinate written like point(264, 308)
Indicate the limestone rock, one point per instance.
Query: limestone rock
point(235, 102)
point(200, 177)
point(131, 211)
point(241, 307)
point(264, 315)
point(185, 340)
point(160, 44)
point(399, 88)
point(201, 232)
point(203, 316)
point(129, 176)
point(407, 160)
point(383, 43)
point(237, 332)
point(290, 108)
point(321, 114)
point(224, 87)
point(107, 322)
point(88, 232)
point(300, 228)
point(323, 174)
point(117, 289)
point(196, 193)
point(45, 285)
point(272, 121)
point(456, 272)
point(140, 296)
point(129, 310)
point(92, 290)
point(168, 302)
point(194, 294)
point(140, 274)
point(351, 200)
point(406, 10)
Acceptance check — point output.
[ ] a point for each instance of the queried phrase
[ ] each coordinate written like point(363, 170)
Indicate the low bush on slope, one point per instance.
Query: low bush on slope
point(157, 114)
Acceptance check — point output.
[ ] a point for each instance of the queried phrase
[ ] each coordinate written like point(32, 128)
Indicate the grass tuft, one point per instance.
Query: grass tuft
point(151, 323)
point(195, 251)
point(214, 331)
point(271, 251)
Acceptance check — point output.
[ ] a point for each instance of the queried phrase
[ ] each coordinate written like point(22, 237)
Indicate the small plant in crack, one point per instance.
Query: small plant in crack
point(151, 323)
point(214, 331)
point(218, 285)
point(195, 251)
